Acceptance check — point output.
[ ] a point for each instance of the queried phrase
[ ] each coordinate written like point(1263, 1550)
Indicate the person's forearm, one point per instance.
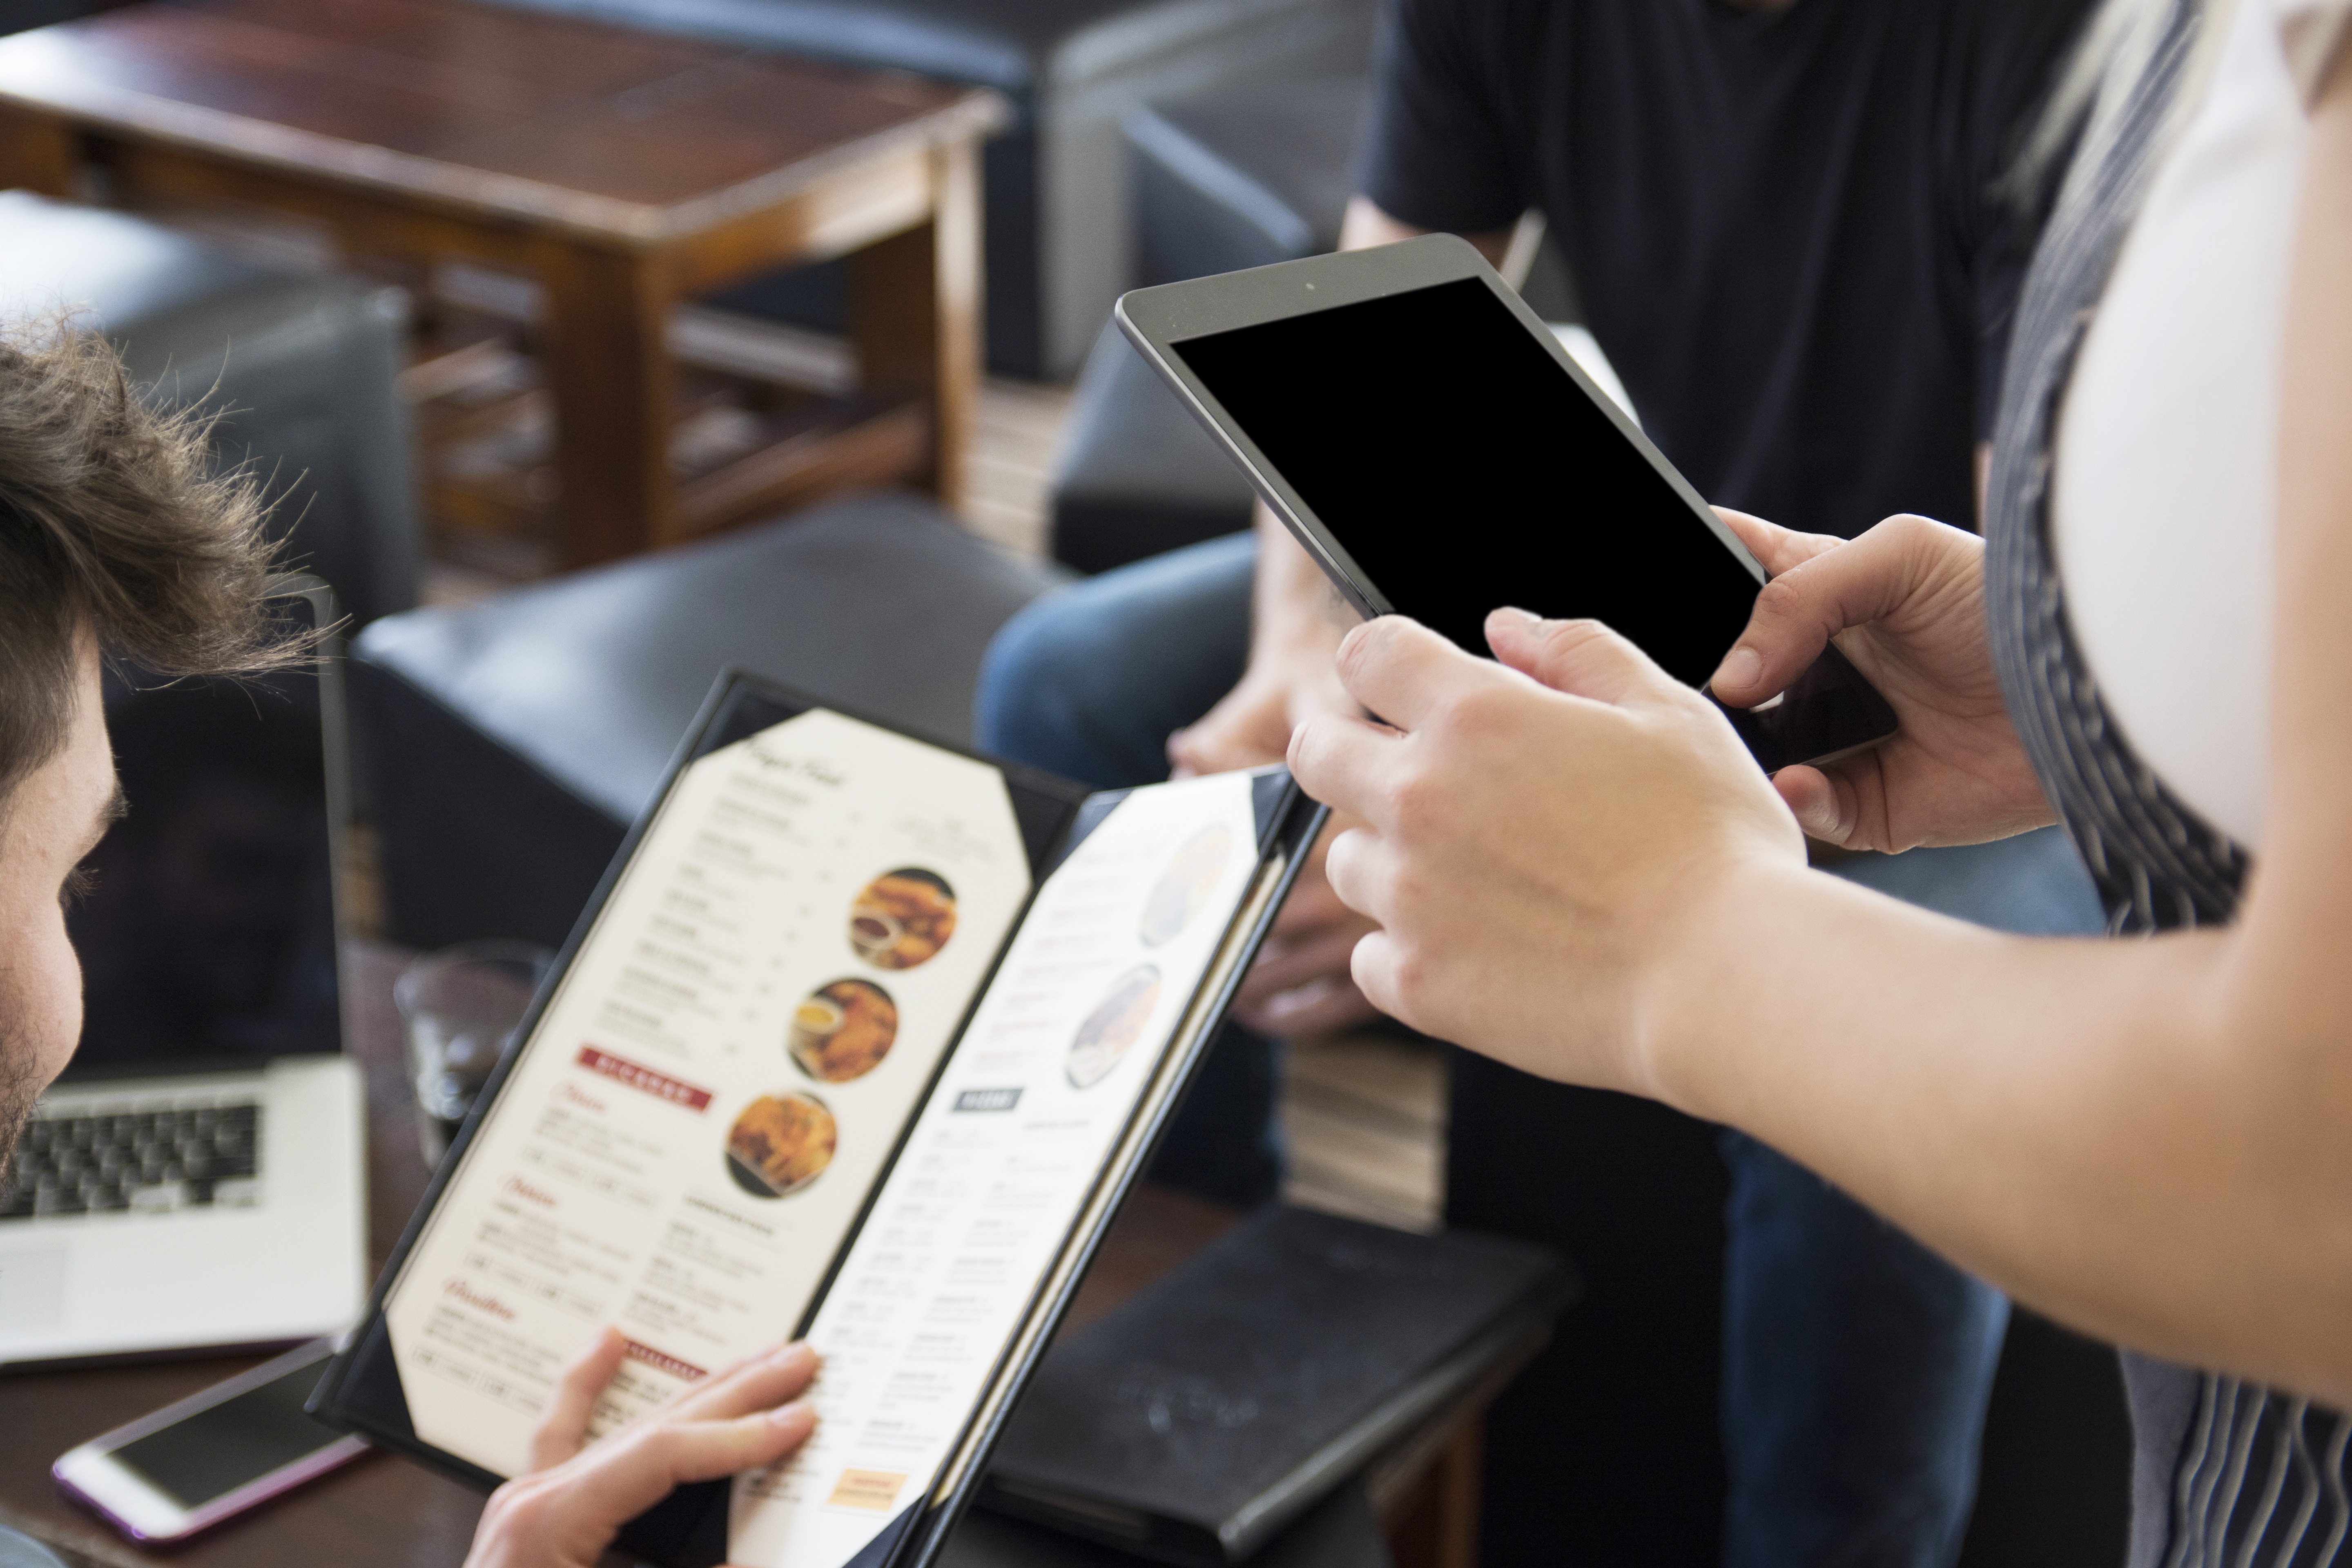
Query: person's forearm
point(1365, 225)
point(2103, 1129)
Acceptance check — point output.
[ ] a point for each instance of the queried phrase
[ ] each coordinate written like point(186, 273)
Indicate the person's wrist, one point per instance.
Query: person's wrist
point(1689, 999)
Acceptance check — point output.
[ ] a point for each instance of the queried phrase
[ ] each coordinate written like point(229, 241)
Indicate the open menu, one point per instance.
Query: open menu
point(862, 1041)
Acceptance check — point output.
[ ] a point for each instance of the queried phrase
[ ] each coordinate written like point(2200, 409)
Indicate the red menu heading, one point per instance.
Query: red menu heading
point(660, 1084)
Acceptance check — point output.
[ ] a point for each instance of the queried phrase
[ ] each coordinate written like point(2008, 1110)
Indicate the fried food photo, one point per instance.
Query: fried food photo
point(843, 1031)
point(779, 1144)
point(902, 919)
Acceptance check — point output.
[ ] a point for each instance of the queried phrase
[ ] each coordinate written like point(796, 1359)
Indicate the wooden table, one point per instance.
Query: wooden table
point(624, 170)
point(382, 1512)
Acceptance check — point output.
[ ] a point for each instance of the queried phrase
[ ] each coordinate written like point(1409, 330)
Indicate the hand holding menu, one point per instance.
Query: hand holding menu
point(862, 1041)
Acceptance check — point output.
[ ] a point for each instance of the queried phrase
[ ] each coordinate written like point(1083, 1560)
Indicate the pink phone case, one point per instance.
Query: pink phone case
point(228, 1505)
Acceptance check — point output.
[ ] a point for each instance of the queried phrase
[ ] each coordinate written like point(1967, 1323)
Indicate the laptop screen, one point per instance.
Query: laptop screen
point(207, 935)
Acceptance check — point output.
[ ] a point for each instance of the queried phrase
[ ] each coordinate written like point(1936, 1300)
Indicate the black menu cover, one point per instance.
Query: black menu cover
point(1340, 1532)
point(1217, 1405)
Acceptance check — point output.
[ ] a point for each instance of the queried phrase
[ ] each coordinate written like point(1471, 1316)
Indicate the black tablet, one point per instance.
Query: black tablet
point(1438, 452)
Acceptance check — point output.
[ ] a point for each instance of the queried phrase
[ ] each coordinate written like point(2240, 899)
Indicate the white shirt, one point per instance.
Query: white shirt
point(2165, 511)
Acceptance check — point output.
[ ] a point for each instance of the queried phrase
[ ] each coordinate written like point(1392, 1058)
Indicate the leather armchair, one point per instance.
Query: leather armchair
point(1059, 245)
point(1243, 176)
point(1138, 475)
point(509, 743)
point(1236, 176)
point(301, 366)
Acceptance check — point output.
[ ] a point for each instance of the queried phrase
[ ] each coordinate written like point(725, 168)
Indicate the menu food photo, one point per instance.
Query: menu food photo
point(861, 1041)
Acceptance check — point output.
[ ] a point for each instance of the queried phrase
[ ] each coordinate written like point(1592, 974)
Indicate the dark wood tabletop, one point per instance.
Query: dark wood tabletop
point(382, 1511)
point(552, 120)
point(625, 171)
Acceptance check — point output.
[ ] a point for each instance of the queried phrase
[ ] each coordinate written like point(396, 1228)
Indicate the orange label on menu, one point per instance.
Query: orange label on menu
point(876, 1490)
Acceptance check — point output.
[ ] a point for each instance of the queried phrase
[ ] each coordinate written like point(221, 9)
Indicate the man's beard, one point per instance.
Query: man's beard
point(19, 1087)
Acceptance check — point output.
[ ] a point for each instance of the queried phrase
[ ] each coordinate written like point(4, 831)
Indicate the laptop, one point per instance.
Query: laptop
point(197, 1179)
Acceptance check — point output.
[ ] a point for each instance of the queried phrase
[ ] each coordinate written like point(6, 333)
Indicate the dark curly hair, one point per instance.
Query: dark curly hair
point(114, 523)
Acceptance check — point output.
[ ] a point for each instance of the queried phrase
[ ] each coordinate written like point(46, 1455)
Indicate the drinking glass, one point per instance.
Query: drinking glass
point(461, 1006)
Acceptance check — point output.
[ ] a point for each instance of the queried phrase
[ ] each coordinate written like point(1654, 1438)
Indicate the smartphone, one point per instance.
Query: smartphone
point(1439, 454)
point(212, 1455)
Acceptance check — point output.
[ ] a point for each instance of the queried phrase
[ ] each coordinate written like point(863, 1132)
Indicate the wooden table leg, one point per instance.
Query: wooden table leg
point(915, 316)
point(1434, 1524)
point(1461, 1492)
point(609, 368)
point(38, 153)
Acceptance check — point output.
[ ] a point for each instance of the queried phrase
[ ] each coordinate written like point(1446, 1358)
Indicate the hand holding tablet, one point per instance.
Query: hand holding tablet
point(1439, 454)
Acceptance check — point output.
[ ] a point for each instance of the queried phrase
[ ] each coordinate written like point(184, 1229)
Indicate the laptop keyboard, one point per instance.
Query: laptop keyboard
point(136, 1160)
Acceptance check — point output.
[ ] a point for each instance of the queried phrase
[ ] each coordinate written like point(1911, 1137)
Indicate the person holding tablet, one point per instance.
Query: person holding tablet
point(2145, 1137)
point(1785, 230)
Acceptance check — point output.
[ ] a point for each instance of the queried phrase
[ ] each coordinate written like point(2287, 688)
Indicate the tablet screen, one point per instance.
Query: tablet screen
point(1448, 452)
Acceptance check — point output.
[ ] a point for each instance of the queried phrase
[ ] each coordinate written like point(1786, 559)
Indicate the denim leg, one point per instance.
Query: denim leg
point(1089, 682)
point(1856, 1368)
point(1857, 1363)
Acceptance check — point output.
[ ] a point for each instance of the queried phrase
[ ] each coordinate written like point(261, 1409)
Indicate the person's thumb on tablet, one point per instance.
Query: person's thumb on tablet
point(1910, 573)
point(1776, 548)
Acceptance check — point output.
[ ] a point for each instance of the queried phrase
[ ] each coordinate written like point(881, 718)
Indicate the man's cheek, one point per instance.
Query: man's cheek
point(50, 1018)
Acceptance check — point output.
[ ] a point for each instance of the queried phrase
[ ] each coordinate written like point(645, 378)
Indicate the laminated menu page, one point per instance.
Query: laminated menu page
point(861, 1041)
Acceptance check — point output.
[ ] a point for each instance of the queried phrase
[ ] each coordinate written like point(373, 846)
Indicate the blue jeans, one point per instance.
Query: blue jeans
point(1089, 682)
point(1856, 1364)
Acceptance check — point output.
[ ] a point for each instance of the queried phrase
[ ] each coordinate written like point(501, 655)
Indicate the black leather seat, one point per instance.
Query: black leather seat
point(1138, 475)
point(1059, 246)
point(1239, 176)
point(1243, 176)
point(512, 742)
point(301, 364)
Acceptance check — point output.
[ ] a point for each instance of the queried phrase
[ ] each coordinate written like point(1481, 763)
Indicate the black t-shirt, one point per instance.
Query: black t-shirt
point(1784, 226)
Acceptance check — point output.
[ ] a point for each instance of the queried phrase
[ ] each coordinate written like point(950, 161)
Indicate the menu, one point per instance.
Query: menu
point(725, 1068)
point(861, 1043)
point(1002, 1158)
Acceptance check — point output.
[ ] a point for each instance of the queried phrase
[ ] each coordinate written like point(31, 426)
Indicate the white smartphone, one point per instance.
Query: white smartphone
point(212, 1455)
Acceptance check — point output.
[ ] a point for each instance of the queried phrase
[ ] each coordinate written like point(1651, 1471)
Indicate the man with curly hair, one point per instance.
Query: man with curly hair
point(119, 539)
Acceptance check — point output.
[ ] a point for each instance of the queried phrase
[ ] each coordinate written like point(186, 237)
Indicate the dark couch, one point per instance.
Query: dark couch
point(301, 367)
point(511, 742)
point(1059, 246)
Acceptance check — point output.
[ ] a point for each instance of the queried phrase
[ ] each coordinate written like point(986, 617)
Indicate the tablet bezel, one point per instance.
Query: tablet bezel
point(1157, 320)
